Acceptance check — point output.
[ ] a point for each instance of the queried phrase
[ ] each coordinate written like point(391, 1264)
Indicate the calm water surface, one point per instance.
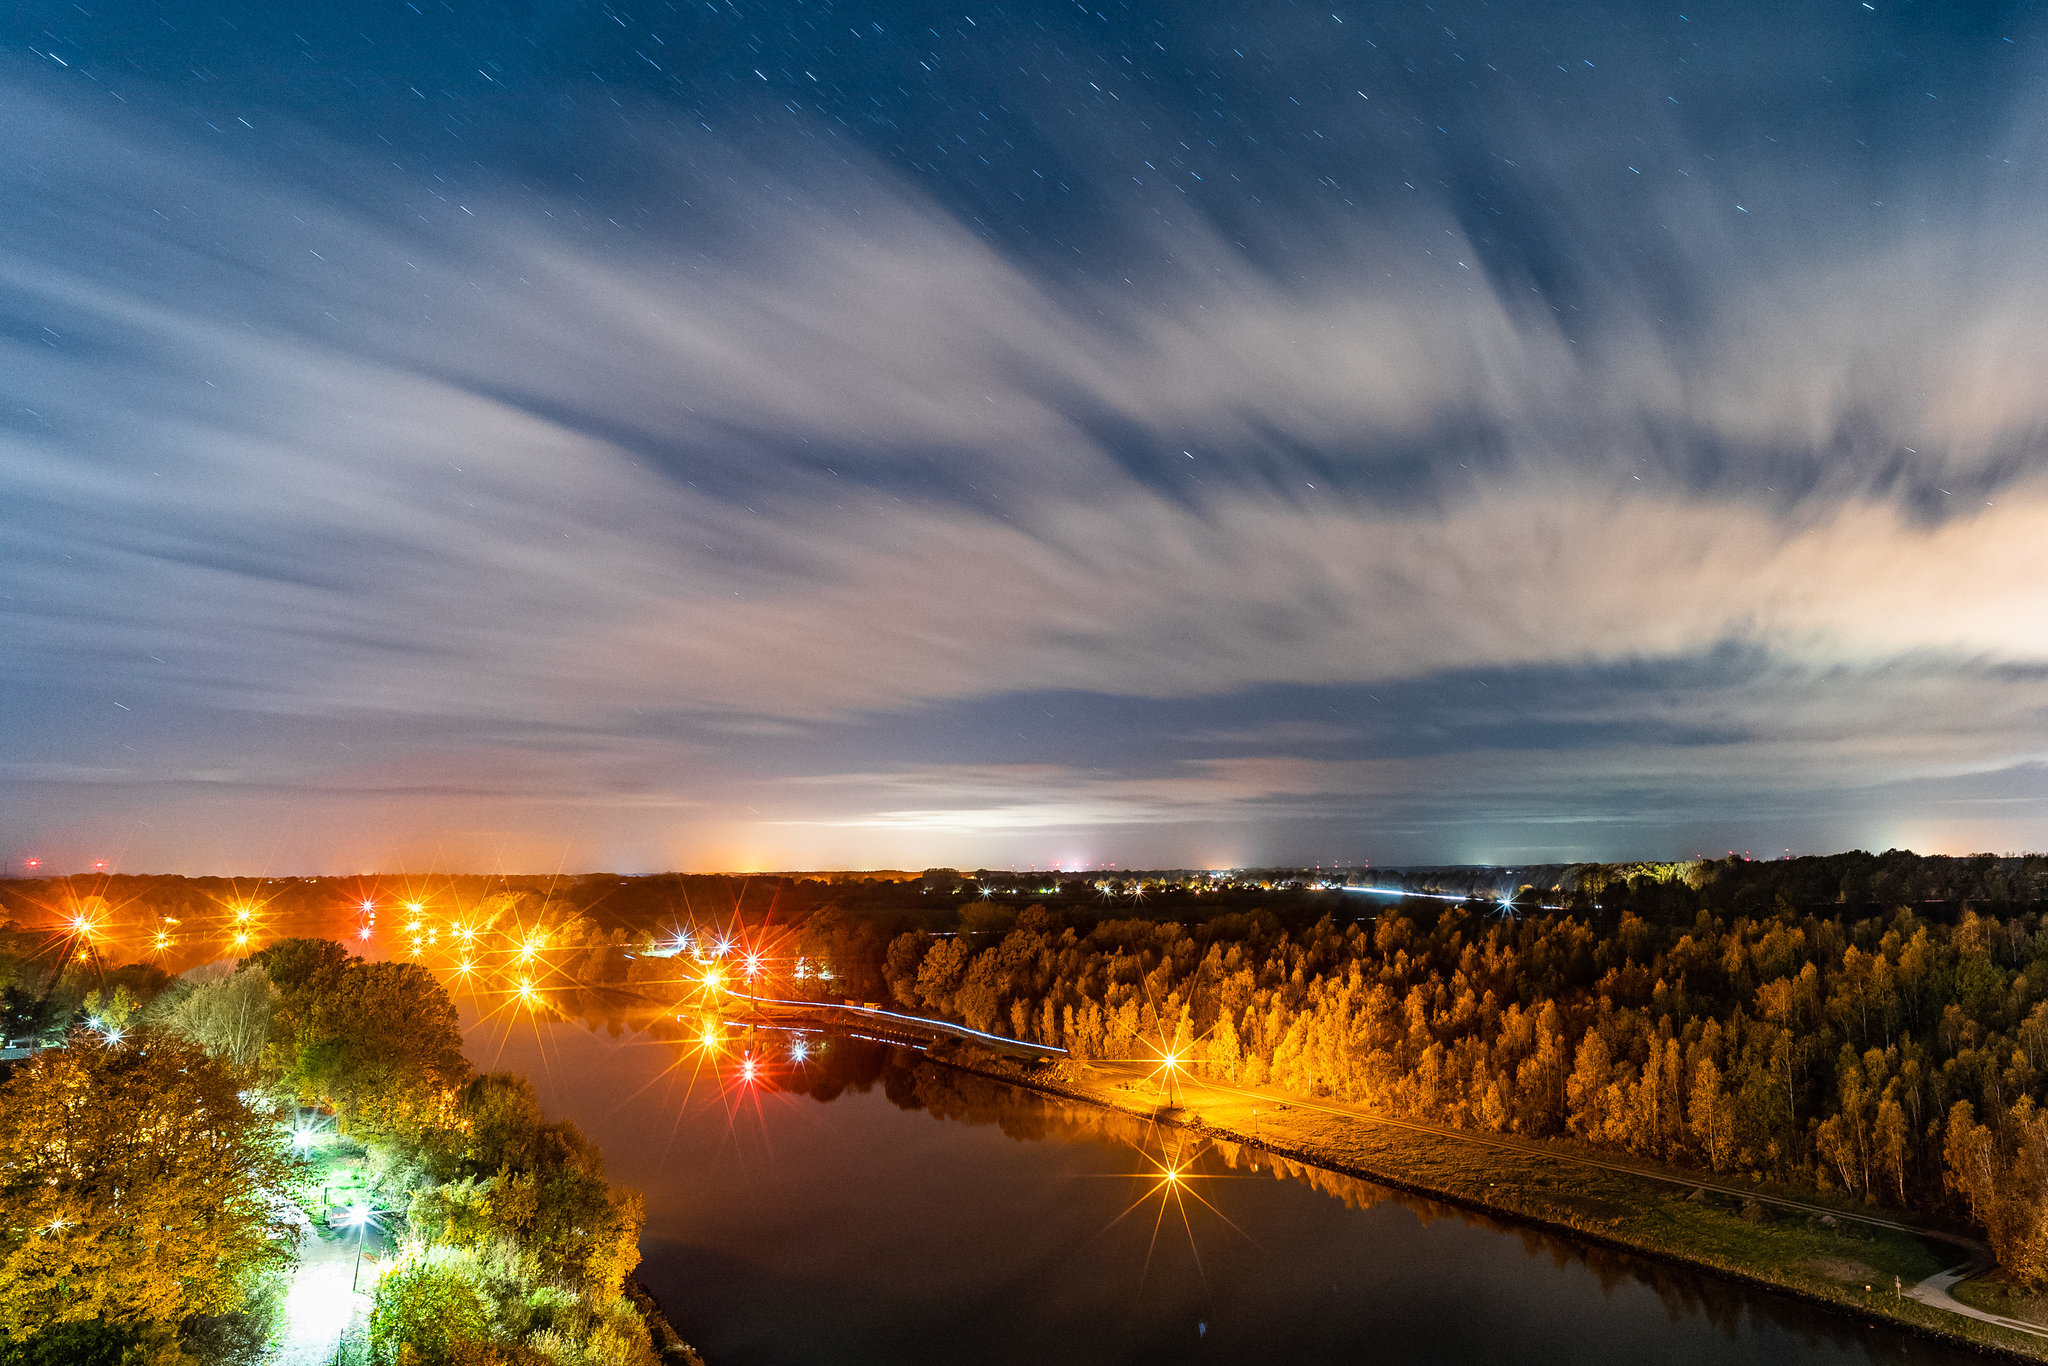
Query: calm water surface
point(867, 1207)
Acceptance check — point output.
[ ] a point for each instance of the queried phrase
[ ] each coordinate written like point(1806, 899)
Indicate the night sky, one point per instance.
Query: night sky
point(715, 435)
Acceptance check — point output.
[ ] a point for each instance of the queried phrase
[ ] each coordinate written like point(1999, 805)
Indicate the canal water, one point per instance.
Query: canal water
point(862, 1205)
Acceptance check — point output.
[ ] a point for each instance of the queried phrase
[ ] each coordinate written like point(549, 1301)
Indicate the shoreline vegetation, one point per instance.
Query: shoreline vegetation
point(1434, 1180)
point(1819, 1258)
point(1692, 1061)
point(1817, 1074)
point(1708, 1061)
point(261, 1124)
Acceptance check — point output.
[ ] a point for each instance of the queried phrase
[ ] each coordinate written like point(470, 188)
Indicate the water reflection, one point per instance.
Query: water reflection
point(829, 1198)
point(807, 1207)
point(912, 1083)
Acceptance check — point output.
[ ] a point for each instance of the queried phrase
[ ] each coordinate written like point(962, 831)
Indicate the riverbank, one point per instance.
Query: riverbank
point(668, 1343)
point(1790, 1242)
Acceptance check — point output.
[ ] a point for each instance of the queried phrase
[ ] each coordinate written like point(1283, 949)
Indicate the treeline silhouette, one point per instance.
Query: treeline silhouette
point(1869, 1024)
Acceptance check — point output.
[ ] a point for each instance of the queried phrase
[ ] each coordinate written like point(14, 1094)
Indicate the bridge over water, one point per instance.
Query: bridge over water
point(895, 1026)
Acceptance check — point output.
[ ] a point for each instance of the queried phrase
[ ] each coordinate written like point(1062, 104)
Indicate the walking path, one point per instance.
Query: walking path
point(1934, 1291)
point(320, 1306)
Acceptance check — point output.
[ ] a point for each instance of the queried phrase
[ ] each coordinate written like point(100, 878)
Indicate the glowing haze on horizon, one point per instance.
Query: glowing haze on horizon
point(756, 436)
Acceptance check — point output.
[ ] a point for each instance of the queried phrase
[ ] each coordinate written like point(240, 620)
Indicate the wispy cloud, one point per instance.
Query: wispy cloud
point(285, 444)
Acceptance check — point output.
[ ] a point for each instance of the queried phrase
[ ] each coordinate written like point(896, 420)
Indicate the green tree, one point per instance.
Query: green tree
point(299, 966)
point(842, 956)
point(230, 1018)
point(537, 1182)
point(427, 1313)
point(384, 1046)
point(906, 955)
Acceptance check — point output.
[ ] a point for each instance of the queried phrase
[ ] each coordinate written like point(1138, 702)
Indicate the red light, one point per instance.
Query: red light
point(32, 863)
point(99, 865)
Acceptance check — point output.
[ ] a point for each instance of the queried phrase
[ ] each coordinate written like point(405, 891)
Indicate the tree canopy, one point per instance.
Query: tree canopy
point(137, 1187)
point(1896, 1057)
point(380, 1042)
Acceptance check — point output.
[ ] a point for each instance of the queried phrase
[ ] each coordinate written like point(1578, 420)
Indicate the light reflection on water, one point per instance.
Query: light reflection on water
point(927, 1215)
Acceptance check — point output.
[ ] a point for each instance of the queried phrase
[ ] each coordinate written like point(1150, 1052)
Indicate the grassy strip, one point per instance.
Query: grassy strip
point(1780, 1250)
point(1994, 1294)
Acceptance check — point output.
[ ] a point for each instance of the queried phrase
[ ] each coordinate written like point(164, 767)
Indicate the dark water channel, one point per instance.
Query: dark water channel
point(866, 1206)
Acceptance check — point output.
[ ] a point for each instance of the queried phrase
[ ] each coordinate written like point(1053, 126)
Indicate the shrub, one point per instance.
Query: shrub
point(426, 1312)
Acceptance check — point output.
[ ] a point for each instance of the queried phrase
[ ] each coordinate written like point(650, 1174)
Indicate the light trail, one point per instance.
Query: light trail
point(1495, 900)
point(1402, 891)
point(946, 1026)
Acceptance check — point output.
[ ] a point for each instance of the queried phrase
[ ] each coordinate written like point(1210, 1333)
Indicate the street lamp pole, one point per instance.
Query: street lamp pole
point(361, 1217)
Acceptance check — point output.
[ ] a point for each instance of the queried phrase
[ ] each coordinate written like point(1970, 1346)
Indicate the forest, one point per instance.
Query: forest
point(168, 1164)
point(1871, 1025)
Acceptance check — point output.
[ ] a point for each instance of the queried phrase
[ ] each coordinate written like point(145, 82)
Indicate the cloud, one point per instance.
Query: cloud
point(288, 443)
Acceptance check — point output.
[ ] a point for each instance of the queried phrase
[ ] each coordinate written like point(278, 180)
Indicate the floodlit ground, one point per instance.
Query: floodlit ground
point(320, 1305)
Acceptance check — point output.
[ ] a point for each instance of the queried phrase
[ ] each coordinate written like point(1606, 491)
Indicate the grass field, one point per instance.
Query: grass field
point(1995, 1294)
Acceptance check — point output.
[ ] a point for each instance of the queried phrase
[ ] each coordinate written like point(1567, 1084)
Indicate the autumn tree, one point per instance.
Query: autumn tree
point(137, 1187)
point(939, 975)
point(842, 956)
point(906, 955)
